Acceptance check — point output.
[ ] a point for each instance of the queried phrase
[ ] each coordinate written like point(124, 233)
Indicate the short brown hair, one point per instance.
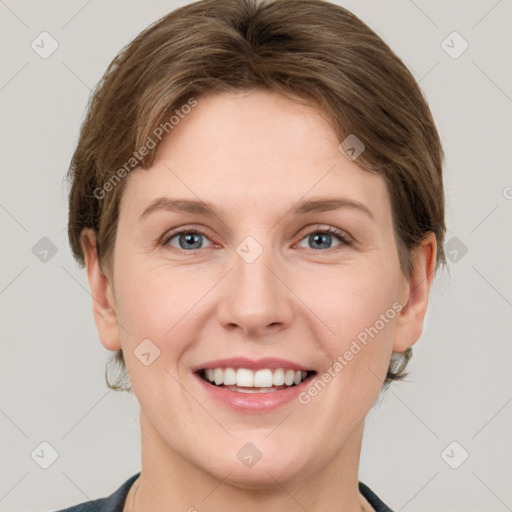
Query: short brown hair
point(308, 49)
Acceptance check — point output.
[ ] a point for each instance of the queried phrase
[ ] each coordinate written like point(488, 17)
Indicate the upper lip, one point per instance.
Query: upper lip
point(271, 363)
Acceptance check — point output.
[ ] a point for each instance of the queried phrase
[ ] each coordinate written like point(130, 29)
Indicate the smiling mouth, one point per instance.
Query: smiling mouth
point(244, 380)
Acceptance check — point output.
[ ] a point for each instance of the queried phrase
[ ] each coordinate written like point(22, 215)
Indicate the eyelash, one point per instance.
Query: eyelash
point(330, 230)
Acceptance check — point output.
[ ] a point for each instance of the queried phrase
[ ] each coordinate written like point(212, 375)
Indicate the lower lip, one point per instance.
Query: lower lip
point(253, 402)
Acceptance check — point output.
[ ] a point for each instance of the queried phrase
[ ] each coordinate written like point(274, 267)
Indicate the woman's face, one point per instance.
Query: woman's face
point(259, 278)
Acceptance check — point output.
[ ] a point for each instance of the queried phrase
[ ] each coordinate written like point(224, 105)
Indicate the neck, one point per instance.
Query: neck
point(170, 482)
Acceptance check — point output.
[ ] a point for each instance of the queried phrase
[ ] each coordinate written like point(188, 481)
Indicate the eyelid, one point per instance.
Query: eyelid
point(182, 229)
point(343, 236)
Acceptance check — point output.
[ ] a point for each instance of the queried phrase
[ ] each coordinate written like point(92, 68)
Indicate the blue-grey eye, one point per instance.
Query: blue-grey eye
point(188, 240)
point(323, 239)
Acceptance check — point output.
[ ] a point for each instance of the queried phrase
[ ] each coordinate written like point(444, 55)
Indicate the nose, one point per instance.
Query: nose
point(256, 297)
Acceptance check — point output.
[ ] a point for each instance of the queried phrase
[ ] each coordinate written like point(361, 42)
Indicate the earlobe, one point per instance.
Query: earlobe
point(102, 297)
point(412, 315)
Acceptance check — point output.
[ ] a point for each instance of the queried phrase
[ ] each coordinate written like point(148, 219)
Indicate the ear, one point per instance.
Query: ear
point(102, 297)
point(415, 294)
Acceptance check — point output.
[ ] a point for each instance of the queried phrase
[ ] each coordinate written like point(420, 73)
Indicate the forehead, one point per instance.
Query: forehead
point(255, 148)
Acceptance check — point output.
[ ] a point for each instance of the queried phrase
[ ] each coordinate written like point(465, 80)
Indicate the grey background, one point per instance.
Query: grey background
point(52, 363)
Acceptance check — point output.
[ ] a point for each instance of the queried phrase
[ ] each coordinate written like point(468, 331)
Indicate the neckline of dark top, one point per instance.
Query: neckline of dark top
point(115, 502)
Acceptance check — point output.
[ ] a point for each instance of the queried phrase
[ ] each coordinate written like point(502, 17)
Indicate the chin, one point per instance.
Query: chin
point(261, 476)
point(268, 469)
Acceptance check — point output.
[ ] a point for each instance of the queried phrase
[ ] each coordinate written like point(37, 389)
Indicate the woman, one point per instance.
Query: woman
point(257, 197)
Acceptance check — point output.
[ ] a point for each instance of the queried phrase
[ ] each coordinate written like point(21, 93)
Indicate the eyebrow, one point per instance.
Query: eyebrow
point(322, 204)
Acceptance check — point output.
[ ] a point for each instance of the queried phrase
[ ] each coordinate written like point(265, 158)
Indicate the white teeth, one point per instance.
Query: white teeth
point(218, 376)
point(229, 377)
point(244, 378)
point(278, 377)
point(262, 379)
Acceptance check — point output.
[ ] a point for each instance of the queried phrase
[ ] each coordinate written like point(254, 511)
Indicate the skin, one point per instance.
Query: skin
point(254, 154)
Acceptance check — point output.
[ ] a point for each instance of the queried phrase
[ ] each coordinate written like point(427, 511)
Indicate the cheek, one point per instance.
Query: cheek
point(360, 309)
point(153, 308)
point(159, 304)
point(340, 304)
